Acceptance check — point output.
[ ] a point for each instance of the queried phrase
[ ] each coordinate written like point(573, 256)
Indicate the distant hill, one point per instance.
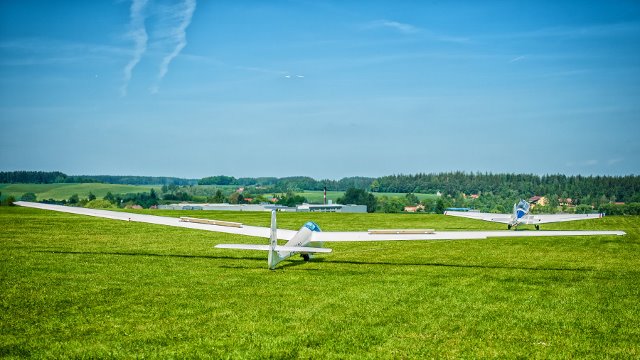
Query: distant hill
point(54, 177)
point(62, 191)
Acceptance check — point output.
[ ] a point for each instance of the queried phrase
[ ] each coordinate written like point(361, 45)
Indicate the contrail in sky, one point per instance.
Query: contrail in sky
point(139, 36)
point(178, 35)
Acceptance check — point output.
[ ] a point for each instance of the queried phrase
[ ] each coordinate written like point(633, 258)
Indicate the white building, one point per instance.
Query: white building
point(332, 208)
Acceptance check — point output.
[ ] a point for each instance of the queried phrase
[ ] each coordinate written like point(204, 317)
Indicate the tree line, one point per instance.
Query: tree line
point(614, 188)
point(31, 177)
point(143, 199)
point(292, 183)
point(54, 177)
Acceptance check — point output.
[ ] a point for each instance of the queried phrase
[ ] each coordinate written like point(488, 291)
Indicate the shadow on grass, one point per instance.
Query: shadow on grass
point(281, 266)
point(294, 264)
point(386, 263)
point(149, 254)
point(212, 257)
point(297, 263)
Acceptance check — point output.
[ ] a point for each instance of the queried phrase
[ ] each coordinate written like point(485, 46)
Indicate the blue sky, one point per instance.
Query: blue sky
point(327, 89)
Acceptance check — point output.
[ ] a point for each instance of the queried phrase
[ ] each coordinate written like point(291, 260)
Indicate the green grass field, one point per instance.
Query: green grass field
point(64, 191)
point(79, 287)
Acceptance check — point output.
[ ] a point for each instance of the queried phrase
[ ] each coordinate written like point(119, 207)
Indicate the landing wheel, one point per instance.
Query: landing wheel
point(508, 227)
point(537, 227)
point(305, 257)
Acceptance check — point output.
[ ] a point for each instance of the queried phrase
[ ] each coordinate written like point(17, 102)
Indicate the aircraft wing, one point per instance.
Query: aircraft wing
point(264, 232)
point(500, 218)
point(349, 236)
point(551, 218)
point(306, 249)
point(256, 231)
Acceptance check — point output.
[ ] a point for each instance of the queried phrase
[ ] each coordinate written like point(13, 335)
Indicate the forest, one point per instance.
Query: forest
point(52, 177)
point(613, 188)
point(292, 183)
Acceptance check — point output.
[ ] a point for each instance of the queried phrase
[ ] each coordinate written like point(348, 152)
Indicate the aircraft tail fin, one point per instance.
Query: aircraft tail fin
point(274, 257)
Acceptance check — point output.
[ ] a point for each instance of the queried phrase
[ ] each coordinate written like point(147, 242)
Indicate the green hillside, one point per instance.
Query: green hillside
point(81, 287)
point(64, 191)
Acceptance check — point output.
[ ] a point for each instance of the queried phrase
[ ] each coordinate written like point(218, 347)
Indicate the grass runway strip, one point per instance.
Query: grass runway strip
point(76, 286)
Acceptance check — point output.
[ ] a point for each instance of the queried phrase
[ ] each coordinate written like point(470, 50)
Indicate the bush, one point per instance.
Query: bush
point(621, 209)
point(360, 197)
point(633, 208)
point(28, 197)
point(8, 201)
point(584, 209)
point(612, 209)
point(99, 204)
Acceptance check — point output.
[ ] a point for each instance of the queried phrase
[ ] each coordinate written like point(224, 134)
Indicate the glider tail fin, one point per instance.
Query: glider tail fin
point(274, 257)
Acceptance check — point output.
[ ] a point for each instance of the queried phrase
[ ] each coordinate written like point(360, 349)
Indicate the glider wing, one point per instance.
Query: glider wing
point(551, 218)
point(500, 218)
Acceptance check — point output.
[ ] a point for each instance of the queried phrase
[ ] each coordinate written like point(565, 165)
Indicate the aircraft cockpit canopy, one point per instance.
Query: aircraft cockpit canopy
point(523, 205)
point(312, 226)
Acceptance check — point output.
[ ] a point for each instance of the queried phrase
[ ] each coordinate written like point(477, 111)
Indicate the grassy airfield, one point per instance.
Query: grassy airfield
point(76, 286)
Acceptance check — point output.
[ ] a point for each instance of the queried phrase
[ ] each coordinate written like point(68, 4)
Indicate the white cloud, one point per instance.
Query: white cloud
point(582, 163)
point(395, 25)
point(588, 31)
point(139, 35)
point(409, 29)
point(45, 51)
point(177, 35)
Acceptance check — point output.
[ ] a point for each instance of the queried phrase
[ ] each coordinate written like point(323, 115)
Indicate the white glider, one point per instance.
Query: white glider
point(521, 216)
point(309, 239)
